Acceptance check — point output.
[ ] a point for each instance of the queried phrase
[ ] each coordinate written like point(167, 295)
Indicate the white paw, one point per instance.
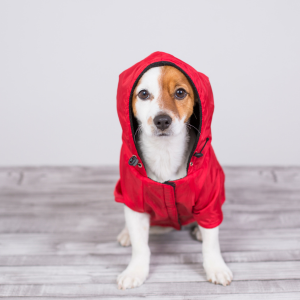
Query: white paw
point(124, 238)
point(218, 273)
point(132, 278)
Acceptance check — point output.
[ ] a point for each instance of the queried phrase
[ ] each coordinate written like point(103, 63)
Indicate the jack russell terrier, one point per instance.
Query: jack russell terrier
point(169, 174)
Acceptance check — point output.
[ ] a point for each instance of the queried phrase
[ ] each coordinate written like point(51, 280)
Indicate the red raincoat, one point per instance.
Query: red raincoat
point(196, 197)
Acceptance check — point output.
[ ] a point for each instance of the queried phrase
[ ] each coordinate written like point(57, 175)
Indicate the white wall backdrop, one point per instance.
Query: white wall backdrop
point(60, 61)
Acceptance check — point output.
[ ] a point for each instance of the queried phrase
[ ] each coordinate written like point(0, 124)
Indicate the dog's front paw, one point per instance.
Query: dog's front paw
point(218, 272)
point(132, 278)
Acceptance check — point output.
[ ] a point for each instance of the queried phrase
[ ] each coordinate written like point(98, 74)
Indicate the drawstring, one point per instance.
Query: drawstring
point(200, 154)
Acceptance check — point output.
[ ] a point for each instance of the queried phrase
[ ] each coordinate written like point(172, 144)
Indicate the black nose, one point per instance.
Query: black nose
point(162, 122)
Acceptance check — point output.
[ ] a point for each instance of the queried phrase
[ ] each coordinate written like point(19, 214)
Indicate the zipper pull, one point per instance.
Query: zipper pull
point(200, 154)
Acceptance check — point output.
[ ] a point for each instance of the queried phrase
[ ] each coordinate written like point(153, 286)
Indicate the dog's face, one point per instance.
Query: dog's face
point(163, 101)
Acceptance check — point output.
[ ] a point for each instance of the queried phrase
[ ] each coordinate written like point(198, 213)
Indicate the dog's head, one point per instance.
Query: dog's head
point(163, 101)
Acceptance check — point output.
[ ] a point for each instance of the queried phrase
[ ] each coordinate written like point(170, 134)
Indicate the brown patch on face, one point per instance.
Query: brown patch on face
point(150, 121)
point(171, 80)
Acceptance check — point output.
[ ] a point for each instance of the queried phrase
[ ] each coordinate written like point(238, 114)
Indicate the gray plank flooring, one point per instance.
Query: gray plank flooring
point(58, 228)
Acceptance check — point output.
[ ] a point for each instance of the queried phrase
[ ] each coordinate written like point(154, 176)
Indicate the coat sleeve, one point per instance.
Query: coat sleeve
point(208, 208)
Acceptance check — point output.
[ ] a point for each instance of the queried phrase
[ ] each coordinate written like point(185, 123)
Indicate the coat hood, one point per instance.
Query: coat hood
point(195, 197)
point(203, 110)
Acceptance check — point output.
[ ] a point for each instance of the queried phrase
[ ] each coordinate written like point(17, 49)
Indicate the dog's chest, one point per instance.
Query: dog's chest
point(165, 158)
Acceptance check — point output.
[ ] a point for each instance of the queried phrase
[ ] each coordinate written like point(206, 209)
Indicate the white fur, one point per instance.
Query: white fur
point(138, 268)
point(165, 158)
point(146, 108)
point(213, 263)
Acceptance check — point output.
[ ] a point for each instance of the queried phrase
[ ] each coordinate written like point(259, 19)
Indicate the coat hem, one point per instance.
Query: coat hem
point(210, 226)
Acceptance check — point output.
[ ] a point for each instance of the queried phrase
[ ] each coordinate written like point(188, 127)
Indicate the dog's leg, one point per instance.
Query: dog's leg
point(213, 263)
point(124, 239)
point(138, 268)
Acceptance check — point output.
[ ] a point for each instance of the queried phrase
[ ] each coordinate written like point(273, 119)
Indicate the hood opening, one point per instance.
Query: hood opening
point(195, 120)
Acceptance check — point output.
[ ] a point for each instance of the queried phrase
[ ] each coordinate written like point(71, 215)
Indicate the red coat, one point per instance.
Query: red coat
point(196, 197)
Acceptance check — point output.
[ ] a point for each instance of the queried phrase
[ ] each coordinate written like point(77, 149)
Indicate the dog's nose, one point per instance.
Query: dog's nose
point(162, 122)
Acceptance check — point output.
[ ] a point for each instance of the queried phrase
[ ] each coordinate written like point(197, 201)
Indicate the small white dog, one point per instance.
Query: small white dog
point(162, 102)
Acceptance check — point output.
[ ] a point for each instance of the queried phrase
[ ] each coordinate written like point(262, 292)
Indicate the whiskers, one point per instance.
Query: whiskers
point(190, 126)
point(163, 134)
point(139, 129)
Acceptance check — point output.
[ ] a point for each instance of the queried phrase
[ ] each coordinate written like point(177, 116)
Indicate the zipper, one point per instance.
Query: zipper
point(173, 184)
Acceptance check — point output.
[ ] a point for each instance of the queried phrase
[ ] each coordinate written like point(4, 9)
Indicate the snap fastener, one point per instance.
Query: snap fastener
point(191, 164)
point(139, 165)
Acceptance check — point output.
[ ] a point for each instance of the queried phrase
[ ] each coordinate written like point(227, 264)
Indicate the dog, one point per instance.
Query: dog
point(163, 103)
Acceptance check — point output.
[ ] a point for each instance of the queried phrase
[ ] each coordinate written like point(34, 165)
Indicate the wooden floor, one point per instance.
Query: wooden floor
point(58, 229)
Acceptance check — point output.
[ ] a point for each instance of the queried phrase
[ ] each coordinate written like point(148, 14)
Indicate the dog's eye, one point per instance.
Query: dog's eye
point(180, 94)
point(143, 94)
